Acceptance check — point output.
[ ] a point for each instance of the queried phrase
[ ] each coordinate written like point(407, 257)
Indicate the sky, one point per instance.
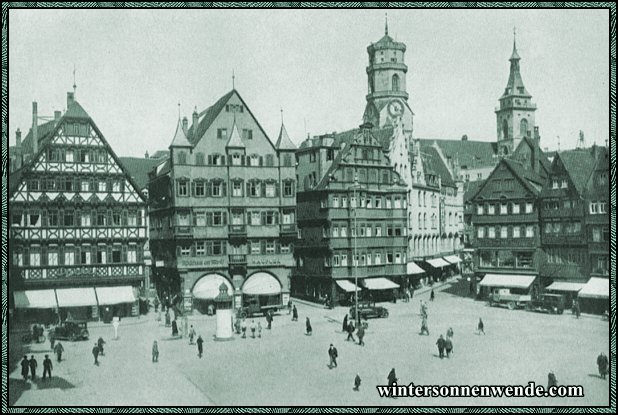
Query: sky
point(133, 68)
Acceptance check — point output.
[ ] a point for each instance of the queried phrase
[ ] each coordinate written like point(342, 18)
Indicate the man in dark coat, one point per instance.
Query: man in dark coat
point(33, 365)
point(174, 328)
point(441, 344)
point(603, 363)
point(332, 353)
point(344, 327)
point(95, 353)
point(360, 333)
point(424, 328)
point(294, 313)
point(432, 296)
point(357, 382)
point(269, 318)
point(309, 329)
point(100, 343)
point(47, 366)
point(551, 380)
point(200, 347)
point(59, 349)
point(481, 327)
point(351, 331)
point(392, 377)
point(448, 346)
point(25, 367)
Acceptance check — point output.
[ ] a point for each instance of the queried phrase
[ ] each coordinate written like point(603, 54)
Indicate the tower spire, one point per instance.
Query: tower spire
point(514, 55)
point(74, 84)
point(386, 24)
point(281, 115)
point(233, 79)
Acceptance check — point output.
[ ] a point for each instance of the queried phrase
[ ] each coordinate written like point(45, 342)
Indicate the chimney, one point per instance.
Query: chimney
point(195, 120)
point(185, 124)
point(18, 138)
point(70, 99)
point(35, 129)
point(57, 115)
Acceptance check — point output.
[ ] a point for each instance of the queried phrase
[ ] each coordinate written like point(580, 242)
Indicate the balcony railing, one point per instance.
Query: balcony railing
point(237, 259)
point(183, 231)
point(288, 229)
point(72, 272)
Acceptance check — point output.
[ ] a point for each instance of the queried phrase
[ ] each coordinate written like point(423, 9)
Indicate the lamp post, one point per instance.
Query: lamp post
point(354, 258)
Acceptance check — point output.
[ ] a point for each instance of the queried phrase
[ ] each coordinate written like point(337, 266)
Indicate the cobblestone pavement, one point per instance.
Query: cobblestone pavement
point(285, 367)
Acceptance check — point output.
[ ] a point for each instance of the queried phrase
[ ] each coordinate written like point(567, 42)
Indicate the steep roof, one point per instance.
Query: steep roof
point(284, 142)
point(180, 139)
point(542, 157)
point(235, 140)
point(532, 180)
point(43, 131)
point(469, 154)
point(208, 117)
point(471, 189)
point(579, 163)
point(138, 169)
point(515, 84)
point(76, 111)
point(438, 166)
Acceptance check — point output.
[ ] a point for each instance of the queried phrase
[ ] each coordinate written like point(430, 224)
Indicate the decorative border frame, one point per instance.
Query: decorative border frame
point(610, 6)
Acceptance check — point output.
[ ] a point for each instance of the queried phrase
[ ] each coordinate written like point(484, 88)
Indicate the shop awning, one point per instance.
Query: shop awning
point(412, 268)
point(347, 286)
point(508, 281)
point(453, 259)
point(379, 284)
point(115, 295)
point(595, 288)
point(76, 297)
point(565, 286)
point(437, 262)
point(35, 299)
point(261, 283)
point(207, 287)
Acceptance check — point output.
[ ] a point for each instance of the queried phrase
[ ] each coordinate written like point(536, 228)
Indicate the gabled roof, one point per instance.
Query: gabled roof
point(529, 179)
point(180, 139)
point(579, 164)
point(43, 131)
point(284, 142)
point(76, 111)
point(471, 189)
point(138, 169)
point(235, 140)
point(438, 166)
point(542, 157)
point(469, 154)
point(208, 117)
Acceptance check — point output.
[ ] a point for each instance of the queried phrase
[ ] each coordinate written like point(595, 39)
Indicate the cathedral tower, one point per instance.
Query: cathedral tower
point(387, 99)
point(515, 116)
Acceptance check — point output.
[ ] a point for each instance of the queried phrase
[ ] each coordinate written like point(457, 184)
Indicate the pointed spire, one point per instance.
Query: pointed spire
point(514, 55)
point(386, 24)
point(284, 142)
point(235, 140)
point(74, 84)
point(180, 138)
point(233, 80)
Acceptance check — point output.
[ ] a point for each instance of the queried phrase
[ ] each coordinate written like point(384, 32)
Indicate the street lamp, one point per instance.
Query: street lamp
point(354, 258)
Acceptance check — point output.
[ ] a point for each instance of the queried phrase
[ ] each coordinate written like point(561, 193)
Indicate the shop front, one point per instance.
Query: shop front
point(37, 306)
point(115, 302)
point(594, 296)
point(380, 289)
point(77, 303)
point(206, 289)
point(436, 269)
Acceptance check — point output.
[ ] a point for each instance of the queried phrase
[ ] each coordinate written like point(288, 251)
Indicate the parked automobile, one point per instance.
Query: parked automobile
point(369, 310)
point(552, 303)
point(503, 296)
point(72, 330)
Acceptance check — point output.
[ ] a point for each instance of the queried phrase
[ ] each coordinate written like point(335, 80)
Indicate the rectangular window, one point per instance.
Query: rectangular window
point(529, 231)
point(344, 202)
point(503, 209)
point(378, 259)
point(287, 160)
point(183, 188)
point(247, 134)
point(504, 232)
point(563, 184)
point(270, 190)
point(237, 189)
point(479, 209)
point(200, 249)
point(254, 189)
point(378, 231)
point(368, 231)
point(85, 186)
point(516, 233)
point(52, 258)
point(255, 218)
point(596, 234)
point(389, 258)
point(480, 232)
point(256, 247)
point(335, 260)
point(270, 247)
point(288, 189)
point(101, 219)
point(335, 201)
point(200, 189)
point(555, 184)
point(270, 218)
point(397, 203)
point(217, 219)
point(236, 159)
point(335, 231)
point(528, 207)
point(491, 209)
point(132, 255)
point(602, 207)
point(515, 208)
point(35, 259)
point(491, 232)
point(344, 232)
point(86, 258)
point(85, 219)
point(217, 189)
point(378, 202)
point(222, 133)
point(184, 251)
point(344, 260)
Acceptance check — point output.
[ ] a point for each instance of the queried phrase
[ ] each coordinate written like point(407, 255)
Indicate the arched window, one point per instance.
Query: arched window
point(395, 82)
point(424, 221)
point(523, 127)
point(505, 130)
point(420, 222)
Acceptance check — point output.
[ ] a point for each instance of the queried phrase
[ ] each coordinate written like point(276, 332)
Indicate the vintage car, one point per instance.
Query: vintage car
point(71, 330)
point(369, 310)
point(552, 303)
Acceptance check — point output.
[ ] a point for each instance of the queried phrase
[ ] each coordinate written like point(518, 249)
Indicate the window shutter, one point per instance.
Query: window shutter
point(263, 189)
point(43, 219)
point(208, 188)
point(276, 218)
point(229, 160)
point(178, 251)
point(78, 255)
point(43, 255)
point(277, 189)
point(224, 218)
point(224, 188)
point(192, 188)
point(210, 160)
point(261, 161)
point(263, 246)
point(194, 219)
point(192, 249)
point(222, 158)
point(124, 253)
point(209, 219)
point(277, 247)
point(242, 160)
point(263, 218)
point(61, 255)
point(248, 189)
point(26, 256)
point(110, 256)
point(223, 248)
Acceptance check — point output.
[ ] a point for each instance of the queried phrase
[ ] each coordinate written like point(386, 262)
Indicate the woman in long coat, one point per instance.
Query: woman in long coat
point(309, 329)
point(344, 328)
point(174, 328)
point(603, 363)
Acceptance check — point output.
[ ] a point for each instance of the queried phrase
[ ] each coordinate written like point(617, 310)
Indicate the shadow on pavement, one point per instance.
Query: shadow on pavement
point(460, 288)
point(54, 383)
point(16, 388)
point(594, 375)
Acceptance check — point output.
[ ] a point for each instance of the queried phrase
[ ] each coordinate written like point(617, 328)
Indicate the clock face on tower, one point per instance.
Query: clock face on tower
point(395, 108)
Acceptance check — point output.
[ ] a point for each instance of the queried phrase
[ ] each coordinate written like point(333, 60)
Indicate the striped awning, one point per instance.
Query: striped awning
point(35, 299)
point(453, 259)
point(595, 288)
point(347, 286)
point(437, 262)
point(565, 286)
point(379, 284)
point(412, 268)
point(508, 281)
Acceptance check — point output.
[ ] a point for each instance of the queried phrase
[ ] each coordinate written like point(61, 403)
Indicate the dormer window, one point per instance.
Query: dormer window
point(236, 159)
point(222, 133)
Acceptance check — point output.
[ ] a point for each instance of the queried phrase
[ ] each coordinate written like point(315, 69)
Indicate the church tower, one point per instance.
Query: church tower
point(515, 116)
point(387, 99)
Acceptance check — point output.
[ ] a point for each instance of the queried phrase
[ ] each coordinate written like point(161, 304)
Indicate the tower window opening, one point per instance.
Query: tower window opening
point(505, 130)
point(523, 127)
point(395, 82)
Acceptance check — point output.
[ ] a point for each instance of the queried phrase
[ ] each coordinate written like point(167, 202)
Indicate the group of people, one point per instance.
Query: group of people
point(253, 327)
point(446, 345)
point(97, 350)
point(30, 366)
point(349, 327)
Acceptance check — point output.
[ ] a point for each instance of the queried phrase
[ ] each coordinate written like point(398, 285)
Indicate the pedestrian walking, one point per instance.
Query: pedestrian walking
point(100, 343)
point(243, 328)
point(253, 327)
point(33, 365)
point(174, 328)
point(577, 309)
point(432, 296)
point(294, 313)
point(603, 363)
point(47, 367)
point(449, 333)
point(191, 334)
point(95, 353)
point(59, 350)
point(167, 318)
point(351, 331)
point(441, 344)
point(412, 293)
point(25, 368)
point(52, 339)
point(200, 346)
point(481, 327)
point(551, 379)
point(344, 327)
point(185, 326)
point(155, 352)
point(392, 377)
point(361, 334)
point(357, 382)
point(269, 318)
point(332, 353)
point(289, 306)
point(259, 329)
point(407, 295)
point(448, 346)
point(424, 328)
point(309, 330)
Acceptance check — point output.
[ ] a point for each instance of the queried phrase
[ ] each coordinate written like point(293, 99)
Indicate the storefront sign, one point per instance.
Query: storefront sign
point(188, 303)
point(204, 263)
